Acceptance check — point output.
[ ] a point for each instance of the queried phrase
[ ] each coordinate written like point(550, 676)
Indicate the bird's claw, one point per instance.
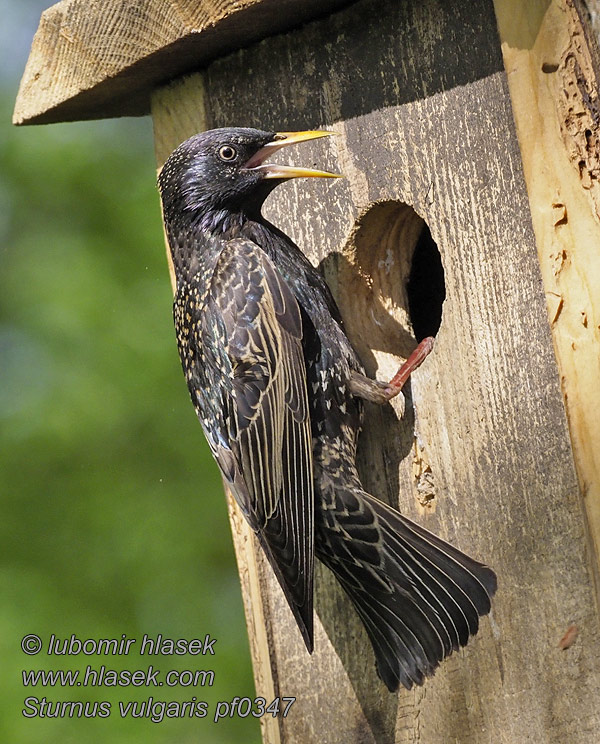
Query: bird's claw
point(395, 385)
point(382, 392)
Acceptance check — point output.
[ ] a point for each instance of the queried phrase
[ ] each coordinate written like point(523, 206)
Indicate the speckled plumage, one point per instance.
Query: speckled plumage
point(273, 379)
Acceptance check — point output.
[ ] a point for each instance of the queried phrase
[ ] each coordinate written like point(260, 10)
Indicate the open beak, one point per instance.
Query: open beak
point(283, 139)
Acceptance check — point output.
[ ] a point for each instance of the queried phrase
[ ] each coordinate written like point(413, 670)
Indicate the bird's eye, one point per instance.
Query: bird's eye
point(227, 152)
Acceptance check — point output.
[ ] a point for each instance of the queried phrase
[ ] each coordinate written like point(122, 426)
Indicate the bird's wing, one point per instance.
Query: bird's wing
point(261, 434)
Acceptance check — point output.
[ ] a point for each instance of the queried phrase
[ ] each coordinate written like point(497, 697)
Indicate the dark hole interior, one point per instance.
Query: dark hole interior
point(426, 289)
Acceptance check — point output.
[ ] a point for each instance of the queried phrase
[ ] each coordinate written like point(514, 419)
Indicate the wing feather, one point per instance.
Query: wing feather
point(255, 411)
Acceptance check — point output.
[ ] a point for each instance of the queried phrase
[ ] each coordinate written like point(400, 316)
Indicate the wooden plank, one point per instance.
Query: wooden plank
point(419, 93)
point(593, 13)
point(92, 60)
point(553, 84)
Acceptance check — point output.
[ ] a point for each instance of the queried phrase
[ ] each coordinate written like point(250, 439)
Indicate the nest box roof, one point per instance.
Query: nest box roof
point(102, 58)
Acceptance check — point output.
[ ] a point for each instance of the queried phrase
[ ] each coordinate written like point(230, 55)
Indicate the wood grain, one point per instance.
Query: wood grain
point(91, 60)
point(553, 84)
point(419, 94)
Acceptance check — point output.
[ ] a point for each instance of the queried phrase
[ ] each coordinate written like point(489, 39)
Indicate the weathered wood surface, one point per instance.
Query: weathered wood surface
point(593, 11)
point(553, 81)
point(92, 60)
point(418, 92)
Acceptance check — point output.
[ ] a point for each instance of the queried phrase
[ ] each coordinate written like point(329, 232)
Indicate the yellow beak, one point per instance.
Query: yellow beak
point(283, 139)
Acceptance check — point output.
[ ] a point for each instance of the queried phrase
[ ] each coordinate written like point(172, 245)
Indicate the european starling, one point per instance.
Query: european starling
point(277, 387)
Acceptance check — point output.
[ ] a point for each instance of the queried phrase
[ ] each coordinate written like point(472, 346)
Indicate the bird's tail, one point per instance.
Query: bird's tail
point(418, 597)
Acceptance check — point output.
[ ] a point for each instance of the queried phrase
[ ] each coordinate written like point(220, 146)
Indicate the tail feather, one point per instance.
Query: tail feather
point(483, 580)
point(418, 597)
point(406, 652)
point(440, 587)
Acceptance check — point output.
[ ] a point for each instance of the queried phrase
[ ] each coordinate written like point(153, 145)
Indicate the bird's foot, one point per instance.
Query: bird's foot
point(382, 392)
point(414, 361)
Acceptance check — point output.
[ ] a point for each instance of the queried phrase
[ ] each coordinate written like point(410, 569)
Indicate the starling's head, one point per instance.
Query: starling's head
point(222, 172)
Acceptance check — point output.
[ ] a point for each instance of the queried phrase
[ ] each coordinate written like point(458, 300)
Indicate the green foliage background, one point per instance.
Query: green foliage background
point(113, 515)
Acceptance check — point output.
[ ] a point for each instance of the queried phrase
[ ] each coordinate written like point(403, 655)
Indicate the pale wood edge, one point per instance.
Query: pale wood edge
point(251, 567)
point(178, 111)
point(565, 208)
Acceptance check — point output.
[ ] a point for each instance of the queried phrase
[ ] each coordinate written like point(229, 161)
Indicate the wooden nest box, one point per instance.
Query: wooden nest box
point(470, 209)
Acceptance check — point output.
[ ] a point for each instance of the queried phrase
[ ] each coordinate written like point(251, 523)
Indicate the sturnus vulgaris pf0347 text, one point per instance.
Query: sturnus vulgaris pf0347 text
point(277, 388)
